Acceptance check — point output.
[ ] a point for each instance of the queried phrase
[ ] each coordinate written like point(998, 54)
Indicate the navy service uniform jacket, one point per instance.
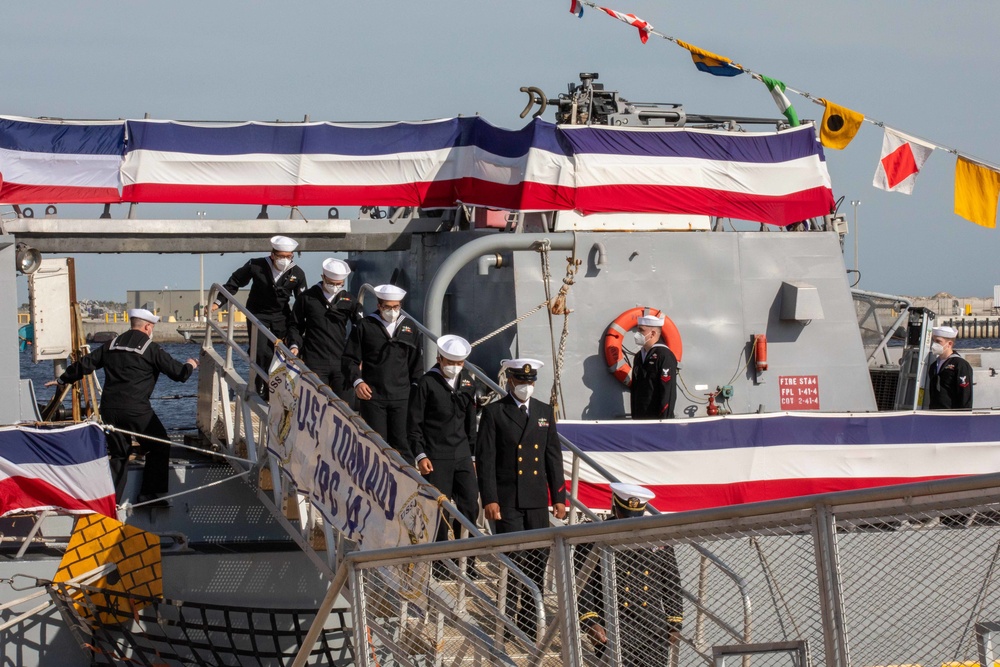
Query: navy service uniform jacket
point(442, 421)
point(654, 383)
point(319, 328)
point(519, 457)
point(269, 300)
point(132, 364)
point(389, 365)
point(647, 596)
point(951, 387)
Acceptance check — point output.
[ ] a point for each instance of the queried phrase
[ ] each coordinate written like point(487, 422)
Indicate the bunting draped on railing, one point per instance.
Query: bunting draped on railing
point(977, 182)
point(60, 469)
point(773, 177)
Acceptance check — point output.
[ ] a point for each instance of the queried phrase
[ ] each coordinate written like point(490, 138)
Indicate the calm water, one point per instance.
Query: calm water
point(174, 402)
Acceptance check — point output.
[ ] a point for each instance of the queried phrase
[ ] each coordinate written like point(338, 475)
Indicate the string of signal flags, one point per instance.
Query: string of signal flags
point(977, 183)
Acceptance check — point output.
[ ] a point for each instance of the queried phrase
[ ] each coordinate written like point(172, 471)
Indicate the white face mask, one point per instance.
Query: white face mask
point(332, 289)
point(937, 349)
point(450, 372)
point(523, 392)
point(389, 314)
point(281, 263)
point(639, 338)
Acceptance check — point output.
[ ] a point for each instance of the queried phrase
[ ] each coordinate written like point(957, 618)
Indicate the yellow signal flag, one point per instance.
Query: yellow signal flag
point(839, 126)
point(977, 189)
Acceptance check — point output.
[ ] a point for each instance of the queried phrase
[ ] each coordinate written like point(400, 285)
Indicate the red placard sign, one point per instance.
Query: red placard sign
point(799, 392)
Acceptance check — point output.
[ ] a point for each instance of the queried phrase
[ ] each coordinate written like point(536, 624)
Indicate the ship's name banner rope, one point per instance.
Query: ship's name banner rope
point(354, 483)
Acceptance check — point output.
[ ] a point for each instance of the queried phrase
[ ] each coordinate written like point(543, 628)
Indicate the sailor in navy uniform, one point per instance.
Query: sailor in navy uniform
point(274, 280)
point(520, 466)
point(648, 602)
point(949, 376)
point(654, 373)
point(383, 363)
point(132, 362)
point(319, 327)
point(442, 428)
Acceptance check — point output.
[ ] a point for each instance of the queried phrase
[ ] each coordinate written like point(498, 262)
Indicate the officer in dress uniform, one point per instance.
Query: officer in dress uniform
point(442, 428)
point(647, 596)
point(383, 363)
point(274, 280)
point(319, 327)
point(949, 376)
point(654, 372)
point(520, 466)
point(132, 362)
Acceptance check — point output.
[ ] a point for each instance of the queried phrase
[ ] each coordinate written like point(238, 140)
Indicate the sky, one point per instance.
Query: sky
point(928, 68)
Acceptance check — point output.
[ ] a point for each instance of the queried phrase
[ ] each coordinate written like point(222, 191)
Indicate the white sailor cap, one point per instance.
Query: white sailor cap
point(143, 314)
point(336, 269)
point(390, 292)
point(945, 332)
point(631, 497)
point(522, 369)
point(453, 348)
point(283, 244)
point(650, 321)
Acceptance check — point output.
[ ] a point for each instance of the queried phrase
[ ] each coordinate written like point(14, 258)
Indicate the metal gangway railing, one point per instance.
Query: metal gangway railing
point(903, 575)
point(879, 318)
point(235, 418)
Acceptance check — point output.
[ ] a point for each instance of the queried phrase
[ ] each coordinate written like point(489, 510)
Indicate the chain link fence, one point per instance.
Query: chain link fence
point(870, 578)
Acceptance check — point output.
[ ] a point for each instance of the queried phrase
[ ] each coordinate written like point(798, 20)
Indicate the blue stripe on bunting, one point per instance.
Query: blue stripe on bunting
point(782, 430)
point(41, 137)
point(56, 447)
point(294, 139)
point(791, 144)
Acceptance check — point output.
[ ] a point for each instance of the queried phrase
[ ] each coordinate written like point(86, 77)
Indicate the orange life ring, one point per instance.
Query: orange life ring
point(615, 335)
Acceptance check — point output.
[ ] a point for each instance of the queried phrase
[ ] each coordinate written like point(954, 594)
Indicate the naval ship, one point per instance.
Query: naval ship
point(805, 491)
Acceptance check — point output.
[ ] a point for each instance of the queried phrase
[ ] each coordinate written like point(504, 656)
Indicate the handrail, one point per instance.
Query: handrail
point(342, 405)
point(887, 336)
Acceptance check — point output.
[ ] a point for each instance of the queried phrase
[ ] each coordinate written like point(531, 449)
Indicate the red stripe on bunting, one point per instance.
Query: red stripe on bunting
point(683, 497)
point(436, 194)
point(773, 209)
point(30, 493)
point(16, 193)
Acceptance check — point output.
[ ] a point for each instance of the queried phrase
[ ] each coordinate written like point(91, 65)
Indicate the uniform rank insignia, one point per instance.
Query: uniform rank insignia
point(665, 376)
point(543, 422)
point(963, 381)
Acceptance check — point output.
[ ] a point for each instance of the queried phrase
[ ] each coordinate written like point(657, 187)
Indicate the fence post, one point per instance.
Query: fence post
point(566, 594)
point(360, 616)
point(830, 591)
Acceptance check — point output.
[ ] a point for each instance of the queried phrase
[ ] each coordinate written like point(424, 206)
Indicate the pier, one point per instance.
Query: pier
point(166, 332)
point(972, 326)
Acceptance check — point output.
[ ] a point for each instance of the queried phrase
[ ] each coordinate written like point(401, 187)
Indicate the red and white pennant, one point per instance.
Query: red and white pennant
point(643, 27)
